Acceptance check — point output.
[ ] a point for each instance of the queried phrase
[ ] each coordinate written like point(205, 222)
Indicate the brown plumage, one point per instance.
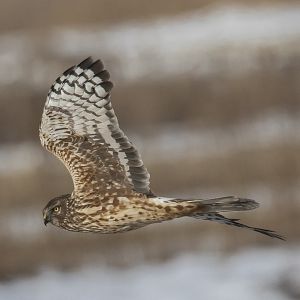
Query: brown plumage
point(111, 184)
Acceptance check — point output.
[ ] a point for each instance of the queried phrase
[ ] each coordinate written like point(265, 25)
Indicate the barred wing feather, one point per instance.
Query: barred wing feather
point(80, 127)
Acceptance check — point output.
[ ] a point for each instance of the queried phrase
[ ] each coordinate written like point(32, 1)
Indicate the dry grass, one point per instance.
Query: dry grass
point(273, 165)
point(203, 102)
point(276, 167)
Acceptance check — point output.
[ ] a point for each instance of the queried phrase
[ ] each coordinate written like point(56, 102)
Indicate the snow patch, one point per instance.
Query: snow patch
point(249, 274)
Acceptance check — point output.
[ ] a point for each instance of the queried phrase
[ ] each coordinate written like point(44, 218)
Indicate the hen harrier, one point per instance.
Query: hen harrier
point(111, 184)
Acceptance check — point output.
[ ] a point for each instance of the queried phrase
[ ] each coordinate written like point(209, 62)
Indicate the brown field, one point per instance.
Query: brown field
point(205, 103)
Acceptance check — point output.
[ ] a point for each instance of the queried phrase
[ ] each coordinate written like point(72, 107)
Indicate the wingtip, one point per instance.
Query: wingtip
point(270, 233)
point(68, 71)
point(86, 63)
point(278, 236)
point(97, 66)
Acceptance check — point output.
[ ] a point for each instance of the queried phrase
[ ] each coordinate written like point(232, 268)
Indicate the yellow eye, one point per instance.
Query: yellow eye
point(56, 209)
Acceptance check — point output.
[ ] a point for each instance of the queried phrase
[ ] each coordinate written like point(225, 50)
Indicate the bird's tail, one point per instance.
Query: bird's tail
point(209, 210)
point(222, 204)
point(229, 203)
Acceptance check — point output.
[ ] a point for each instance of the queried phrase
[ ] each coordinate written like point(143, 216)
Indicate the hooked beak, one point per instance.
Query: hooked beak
point(46, 216)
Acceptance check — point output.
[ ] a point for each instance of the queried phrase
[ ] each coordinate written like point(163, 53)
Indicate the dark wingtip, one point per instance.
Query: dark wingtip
point(97, 66)
point(108, 85)
point(68, 71)
point(280, 237)
point(271, 234)
point(104, 75)
point(86, 63)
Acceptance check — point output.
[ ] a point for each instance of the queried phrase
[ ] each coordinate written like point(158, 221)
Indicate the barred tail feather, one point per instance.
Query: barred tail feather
point(234, 222)
point(209, 210)
point(223, 204)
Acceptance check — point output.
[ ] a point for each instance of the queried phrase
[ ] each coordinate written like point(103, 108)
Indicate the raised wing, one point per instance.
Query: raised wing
point(80, 127)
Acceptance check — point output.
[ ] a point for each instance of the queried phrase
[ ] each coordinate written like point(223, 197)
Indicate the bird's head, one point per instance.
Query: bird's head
point(56, 210)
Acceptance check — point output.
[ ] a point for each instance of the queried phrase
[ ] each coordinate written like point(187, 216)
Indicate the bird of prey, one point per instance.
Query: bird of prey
point(111, 184)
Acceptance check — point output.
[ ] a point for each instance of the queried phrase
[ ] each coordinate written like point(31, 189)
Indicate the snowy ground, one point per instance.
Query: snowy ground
point(200, 43)
point(269, 274)
point(228, 39)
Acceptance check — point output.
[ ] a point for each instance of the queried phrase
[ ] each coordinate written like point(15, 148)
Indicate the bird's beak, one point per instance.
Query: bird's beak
point(46, 216)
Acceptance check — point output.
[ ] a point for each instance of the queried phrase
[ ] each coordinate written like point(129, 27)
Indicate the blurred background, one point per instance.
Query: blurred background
point(209, 91)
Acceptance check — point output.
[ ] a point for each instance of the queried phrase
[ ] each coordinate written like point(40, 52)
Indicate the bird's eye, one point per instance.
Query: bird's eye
point(56, 209)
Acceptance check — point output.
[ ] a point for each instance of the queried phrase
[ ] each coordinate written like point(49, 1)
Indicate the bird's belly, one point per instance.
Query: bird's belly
point(117, 220)
point(102, 225)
